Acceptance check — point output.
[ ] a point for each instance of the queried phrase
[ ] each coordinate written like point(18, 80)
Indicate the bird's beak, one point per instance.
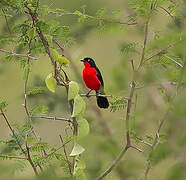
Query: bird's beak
point(82, 60)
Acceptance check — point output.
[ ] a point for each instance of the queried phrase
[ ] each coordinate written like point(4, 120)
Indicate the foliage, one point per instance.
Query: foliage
point(34, 29)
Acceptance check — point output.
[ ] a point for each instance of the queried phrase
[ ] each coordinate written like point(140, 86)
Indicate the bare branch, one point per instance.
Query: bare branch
point(21, 55)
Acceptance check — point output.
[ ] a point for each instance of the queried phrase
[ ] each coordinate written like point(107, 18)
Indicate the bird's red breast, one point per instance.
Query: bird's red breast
point(90, 78)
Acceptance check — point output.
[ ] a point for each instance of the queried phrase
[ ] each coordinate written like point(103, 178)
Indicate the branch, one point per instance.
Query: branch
point(174, 61)
point(30, 159)
point(12, 130)
point(163, 51)
point(66, 156)
point(95, 18)
point(116, 161)
point(167, 12)
point(12, 157)
point(144, 43)
point(21, 55)
point(129, 104)
point(52, 118)
point(156, 140)
point(98, 95)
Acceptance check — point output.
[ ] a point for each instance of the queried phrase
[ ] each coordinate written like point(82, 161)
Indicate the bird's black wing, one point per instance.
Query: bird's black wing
point(99, 75)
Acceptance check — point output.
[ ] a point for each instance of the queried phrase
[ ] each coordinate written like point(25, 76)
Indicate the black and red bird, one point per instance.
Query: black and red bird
point(94, 81)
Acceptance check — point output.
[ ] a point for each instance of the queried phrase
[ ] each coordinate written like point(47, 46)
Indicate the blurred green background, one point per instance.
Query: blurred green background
point(107, 129)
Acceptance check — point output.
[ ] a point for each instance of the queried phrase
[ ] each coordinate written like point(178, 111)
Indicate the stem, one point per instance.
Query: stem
point(144, 42)
point(29, 159)
point(66, 156)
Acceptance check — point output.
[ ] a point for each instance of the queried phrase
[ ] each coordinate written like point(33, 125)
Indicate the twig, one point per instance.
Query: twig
point(167, 12)
point(136, 148)
point(25, 105)
point(66, 156)
point(145, 142)
point(95, 18)
point(174, 61)
point(30, 159)
point(52, 118)
point(21, 55)
point(144, 43)
point(116, 161)
point(12, 130)
point(163, 51)
point(49, 154)
point(12, 157)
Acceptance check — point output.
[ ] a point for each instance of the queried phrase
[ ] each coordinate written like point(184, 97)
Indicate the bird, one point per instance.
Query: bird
point(93, 80)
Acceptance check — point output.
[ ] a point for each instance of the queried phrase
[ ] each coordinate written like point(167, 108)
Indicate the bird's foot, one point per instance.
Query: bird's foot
point(88, 94)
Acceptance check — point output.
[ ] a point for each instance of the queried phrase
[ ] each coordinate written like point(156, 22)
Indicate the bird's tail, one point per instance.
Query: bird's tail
point(102, 102)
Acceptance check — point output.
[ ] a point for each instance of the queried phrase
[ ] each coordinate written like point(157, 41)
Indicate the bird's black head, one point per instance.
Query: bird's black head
point(89, 61)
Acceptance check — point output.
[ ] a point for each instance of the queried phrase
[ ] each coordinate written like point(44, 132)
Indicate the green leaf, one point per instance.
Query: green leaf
point(79, 166)
point(79, 106)
point(73, 90)
point(62, 60)
point(50, 82)
point(77, 149)
point(83, 127)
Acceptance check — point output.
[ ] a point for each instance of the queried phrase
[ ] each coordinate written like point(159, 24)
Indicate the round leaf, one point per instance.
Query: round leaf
point(77, 149)
point(83, 127)
point(73, 90)
point(50, 82)
point(79, 106)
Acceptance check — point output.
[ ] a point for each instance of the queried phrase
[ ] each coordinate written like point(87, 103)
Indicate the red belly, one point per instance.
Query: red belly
point(90, 78)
